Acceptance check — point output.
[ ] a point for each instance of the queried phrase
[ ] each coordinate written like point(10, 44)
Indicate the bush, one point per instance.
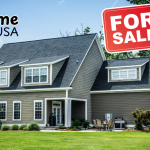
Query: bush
point(33, 126)
point(86, 124)
point(76, 123)
point(4, 128)
point(14, 127)
point(77, 127)
point(26, 128)
point(22, 126)
point(0, 124)
point(61, 127)
point(67, 128)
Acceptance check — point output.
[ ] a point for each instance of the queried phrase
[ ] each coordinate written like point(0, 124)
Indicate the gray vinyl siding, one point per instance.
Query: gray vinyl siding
point(56, 68)
point(38, 84)
point(78, 109)
point(142, 70)
point(13, 73)
point(110, 77)
point(27, 104)
point(85, 78)
point(120, 104)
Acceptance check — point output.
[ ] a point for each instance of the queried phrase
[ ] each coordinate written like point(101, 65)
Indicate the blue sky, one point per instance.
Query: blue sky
point(41, 19)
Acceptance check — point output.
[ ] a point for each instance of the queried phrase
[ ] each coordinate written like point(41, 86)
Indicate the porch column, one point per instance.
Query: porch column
point(85, 110)
point(69, 112)
point(66, 112)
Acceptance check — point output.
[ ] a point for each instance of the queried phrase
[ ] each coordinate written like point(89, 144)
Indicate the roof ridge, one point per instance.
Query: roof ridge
point(49, 38)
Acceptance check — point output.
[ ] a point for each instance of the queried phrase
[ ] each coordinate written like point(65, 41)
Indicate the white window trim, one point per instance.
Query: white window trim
point(41, 110)
point(6, 111)
point(32, 75)
point(14, 111)
point(127, 74)
point(6, 76)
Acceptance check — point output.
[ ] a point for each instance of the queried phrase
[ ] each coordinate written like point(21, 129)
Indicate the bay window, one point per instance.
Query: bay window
point(36, 75)
point(124, 74)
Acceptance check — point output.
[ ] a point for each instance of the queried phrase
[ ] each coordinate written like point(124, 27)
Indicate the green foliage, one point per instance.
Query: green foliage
point(77, 127)
point(139, 2)
point(15, 127)
point(26, 128)
point(61, 127)
point(144, 53)
point(74, 128)
point(86, 30)
point(4, 128)
point(34, 126)
point(86, 124)
point(67, 128)
point(141, 118)
point(76, 123)
point(128, 128)
point(0, 124)
point(22, 126)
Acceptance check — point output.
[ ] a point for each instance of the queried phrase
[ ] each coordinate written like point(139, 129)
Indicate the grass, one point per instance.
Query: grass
point(28, 140)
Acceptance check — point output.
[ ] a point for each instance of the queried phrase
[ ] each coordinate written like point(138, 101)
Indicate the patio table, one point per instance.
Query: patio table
point(105, 125)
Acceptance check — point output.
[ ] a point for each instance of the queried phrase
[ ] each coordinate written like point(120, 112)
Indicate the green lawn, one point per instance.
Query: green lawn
point(73, 140)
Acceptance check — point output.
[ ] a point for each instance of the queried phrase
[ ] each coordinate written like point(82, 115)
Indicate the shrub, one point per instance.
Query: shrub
point(86, 124)
point(73, 128)
point(77, 127)
point(61, 127)
point(4, 128)
point(33, 126)
point(22, 126)
point(76, 123)
point(0, 124)
point(14, 127)
point(26, 128)
point(67, 128)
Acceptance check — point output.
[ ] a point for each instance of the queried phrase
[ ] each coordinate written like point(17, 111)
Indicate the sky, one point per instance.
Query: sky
point(42, 19)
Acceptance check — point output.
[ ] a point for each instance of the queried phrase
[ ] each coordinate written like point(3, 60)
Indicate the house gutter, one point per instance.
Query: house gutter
point(36, 90)
point(120, 91)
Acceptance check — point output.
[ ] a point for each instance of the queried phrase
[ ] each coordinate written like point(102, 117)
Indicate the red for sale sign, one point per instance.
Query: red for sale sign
point(127, 28)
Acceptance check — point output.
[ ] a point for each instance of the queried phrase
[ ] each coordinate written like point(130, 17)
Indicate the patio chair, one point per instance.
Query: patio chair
point(99, 124)
point(109, 124)
point(95, 124)
point(112, 125)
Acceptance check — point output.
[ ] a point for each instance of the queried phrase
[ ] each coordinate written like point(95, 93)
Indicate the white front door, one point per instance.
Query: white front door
point(56, 109)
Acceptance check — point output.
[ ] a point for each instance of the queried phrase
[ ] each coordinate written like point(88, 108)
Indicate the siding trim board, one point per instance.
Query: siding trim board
point(120, 91)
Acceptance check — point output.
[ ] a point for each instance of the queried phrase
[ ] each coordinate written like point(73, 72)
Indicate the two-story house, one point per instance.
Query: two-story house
point(71, 78)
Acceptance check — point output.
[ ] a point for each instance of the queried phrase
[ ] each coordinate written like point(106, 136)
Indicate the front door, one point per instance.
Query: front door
point(56, 109)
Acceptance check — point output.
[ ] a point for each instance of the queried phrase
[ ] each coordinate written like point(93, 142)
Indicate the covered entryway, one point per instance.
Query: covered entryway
point(62, 109)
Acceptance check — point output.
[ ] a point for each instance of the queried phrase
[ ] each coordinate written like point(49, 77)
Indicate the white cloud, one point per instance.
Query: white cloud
point(60, 2)
point(1, 42)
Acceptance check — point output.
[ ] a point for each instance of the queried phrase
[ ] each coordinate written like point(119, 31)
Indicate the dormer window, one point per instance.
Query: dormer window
point(3, 77)
point(124, 74)
point(36, 75)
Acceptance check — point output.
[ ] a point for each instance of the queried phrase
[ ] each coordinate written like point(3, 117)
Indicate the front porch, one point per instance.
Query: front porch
point(65, 110)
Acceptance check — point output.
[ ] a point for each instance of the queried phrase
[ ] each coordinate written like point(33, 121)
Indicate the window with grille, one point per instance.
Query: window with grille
point(124, 74)
point(3, 77)
point(36, 75)
point(17, 110)
point(38, 110)
point(3, 111)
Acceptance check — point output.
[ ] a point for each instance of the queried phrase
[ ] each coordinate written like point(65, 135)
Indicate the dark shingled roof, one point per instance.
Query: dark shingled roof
point(101, 83)
point(45, 60)
point(127, 62)
point(73, 46)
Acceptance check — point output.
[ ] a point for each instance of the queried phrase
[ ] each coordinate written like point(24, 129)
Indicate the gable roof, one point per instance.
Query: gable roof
point(101, 82)
point(127, 62)
point(73, 46)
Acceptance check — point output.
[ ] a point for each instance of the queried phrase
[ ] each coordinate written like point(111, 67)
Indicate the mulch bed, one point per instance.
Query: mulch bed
point(131, 130)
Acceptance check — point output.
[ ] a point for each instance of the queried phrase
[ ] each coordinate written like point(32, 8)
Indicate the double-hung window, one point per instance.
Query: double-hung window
point(3, 77)
point(36, 75)
point(38, 110)
point(3, 110)
point(17, 110)
point(124, 74)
